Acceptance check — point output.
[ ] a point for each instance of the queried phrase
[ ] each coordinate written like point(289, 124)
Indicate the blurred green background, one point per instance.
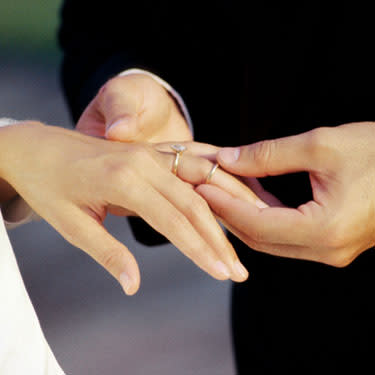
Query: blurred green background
point(29, 28)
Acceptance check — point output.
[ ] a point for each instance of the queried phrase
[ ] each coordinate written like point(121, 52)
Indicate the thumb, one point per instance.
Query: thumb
point(270, 157)
point(120, 104)
point(124, 129)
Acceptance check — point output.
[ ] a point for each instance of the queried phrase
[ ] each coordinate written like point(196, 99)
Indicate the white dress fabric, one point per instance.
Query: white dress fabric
point(23, 347)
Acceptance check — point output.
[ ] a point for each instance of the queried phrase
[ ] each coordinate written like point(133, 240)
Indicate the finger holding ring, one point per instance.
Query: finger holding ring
point(211, 173)
point(178, 149)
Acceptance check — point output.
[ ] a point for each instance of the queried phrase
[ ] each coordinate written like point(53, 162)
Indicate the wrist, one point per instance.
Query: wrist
point(14, 142)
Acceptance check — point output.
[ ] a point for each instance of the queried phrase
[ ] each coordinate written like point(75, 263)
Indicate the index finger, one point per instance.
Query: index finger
point(195, 170)
point(271, 225)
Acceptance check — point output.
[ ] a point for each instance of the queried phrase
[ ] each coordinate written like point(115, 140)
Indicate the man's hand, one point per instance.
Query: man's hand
point(337, 225)
point(134, 108)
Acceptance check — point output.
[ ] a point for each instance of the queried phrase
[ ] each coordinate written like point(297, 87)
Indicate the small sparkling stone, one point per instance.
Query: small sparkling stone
point(178, 148)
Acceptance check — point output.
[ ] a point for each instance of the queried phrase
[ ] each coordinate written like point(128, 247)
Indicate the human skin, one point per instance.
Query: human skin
point(321, 228)
point(134, 108)
point(73, 180)
point(333, 228)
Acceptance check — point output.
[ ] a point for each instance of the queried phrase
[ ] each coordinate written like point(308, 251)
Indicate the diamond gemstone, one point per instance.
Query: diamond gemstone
point(178, 148)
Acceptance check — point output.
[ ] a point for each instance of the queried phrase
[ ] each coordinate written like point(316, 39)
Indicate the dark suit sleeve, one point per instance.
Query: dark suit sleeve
point(100, 39)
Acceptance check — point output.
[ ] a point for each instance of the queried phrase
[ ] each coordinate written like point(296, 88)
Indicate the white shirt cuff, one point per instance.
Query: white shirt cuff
point(7, 121)
point(168, 87)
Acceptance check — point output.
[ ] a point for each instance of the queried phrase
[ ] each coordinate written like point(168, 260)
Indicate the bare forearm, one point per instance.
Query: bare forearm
point(11, 156)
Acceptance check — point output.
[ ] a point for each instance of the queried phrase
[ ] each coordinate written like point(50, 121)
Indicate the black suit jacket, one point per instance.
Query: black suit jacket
point(276, 69)
point(250, 71)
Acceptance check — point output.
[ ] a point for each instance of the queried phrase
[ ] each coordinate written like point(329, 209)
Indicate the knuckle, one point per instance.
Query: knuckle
point(108, 259)
point(316, 138)
point(142, 81)
point(337, 245)
point(131, 82)
point(142, 158)
point(333, 239)
point(263, 153)
point(336, 238)
point(320, 144)
point(119, 174)
point(140, 155)
point(256, 235)
point(114, 170)
point(340, 259)
point(110, 86)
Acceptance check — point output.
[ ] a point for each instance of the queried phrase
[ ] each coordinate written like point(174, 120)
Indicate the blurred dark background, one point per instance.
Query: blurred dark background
point(178, 324)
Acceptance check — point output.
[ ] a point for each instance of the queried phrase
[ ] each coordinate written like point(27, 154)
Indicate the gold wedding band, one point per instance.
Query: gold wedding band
point(178, 149)
point(211, 173)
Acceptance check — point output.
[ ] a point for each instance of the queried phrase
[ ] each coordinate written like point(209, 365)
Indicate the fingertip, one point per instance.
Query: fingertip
point(121, 130)
point(221, 271)
point(129, 275)
point(129, 285)
point(241, 273)
point(228, 155)
point(204, 189)
point(211, 193)
point(200, 189)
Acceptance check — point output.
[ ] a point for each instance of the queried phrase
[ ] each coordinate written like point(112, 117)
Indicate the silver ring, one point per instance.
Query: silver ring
point(178, 149)
point(211, 173)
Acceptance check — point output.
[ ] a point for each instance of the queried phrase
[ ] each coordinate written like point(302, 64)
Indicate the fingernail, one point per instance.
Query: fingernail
point(125, 283)
point(114, 124)
point(229, 155)
point(241, 270)
point(221, 268)
point(261, 204)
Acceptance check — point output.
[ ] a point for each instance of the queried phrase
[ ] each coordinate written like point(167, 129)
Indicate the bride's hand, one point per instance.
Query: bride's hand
point(73, 180)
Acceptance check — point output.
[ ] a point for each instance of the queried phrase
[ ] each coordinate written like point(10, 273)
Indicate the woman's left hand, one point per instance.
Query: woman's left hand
point(72, 181)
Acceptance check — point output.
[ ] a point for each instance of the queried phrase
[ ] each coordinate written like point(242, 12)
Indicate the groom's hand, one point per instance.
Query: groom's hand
point(134, 108)
point(337, 225)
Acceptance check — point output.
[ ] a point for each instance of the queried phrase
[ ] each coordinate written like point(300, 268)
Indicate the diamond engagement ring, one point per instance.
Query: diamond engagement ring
point(178, 149)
